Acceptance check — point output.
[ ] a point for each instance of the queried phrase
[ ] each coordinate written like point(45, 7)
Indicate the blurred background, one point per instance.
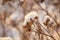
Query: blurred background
point(14, 13)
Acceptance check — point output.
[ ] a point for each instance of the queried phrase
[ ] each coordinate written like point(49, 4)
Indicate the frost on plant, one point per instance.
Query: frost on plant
point(29, 19)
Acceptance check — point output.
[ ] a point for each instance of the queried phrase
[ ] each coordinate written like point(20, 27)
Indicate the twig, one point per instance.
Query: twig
point(53, 19)
point(44, 34)
point(39, 31)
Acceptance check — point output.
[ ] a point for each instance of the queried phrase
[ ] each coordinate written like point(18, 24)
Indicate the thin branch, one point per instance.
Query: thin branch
point(45, 34)
point(53, 19)
point(40, 32)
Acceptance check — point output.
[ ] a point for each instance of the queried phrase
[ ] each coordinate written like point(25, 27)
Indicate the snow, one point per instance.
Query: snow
point(29, 16)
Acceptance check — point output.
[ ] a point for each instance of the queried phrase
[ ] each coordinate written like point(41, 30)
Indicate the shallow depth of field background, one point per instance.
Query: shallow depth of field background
point(29, 19)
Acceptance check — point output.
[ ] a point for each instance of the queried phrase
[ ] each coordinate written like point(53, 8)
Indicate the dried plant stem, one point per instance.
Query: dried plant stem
point(44, 34)
point(55, 31)
point(40, 32)
point(54, 20)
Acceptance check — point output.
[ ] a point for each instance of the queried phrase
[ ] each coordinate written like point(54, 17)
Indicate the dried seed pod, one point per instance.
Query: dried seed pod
point(29, 20)
point(30, 17)
point(50, 22)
